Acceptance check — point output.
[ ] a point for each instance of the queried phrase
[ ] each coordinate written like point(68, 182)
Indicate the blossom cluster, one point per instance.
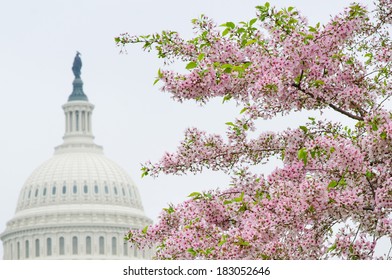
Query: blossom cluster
point(333, 195)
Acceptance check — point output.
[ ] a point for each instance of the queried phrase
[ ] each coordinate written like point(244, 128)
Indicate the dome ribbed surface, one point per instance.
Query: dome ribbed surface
point(79, 177)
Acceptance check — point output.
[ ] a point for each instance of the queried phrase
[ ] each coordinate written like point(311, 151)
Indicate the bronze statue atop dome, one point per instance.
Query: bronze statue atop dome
point(77, 65)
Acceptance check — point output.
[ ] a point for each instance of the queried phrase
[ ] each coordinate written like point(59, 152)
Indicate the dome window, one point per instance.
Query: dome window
point(85, 189)
point(115, 191)
point(49, 246)
point(64, 189)
point(101, 245)
point(29, 194)
point(96, 189)
point(88, 245)
point(74, 245)
point(62, 246)
point(54, 190)
point(27, 249)
point(75, 189)
point(106, 190)
point(44, 192)
point(36, 192)
point(37, 248)
point(123, 191)
point(18, 250)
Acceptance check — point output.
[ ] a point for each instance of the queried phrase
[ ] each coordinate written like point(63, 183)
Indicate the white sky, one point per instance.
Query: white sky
point(133, 120)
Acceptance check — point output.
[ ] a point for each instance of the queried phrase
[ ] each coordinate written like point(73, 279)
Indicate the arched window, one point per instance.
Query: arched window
point(54, 190)
point(44, 192)
point(37, 248)
point(106, 189)
point(74, 245)
point(75, 189)
point(101, 245)
point(123, 191)
point(29, 194)
point(36, 192)
point(18, 250)
point(64, 189)
point(115, 190)
point(96, 189)
point(88, 245)
point(49, 246)
point(114, 246)
point(62, 246)
point(85, 189)
point(27, 249)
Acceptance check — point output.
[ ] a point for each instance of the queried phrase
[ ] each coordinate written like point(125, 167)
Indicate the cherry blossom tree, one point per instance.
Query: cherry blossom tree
point(333, 196)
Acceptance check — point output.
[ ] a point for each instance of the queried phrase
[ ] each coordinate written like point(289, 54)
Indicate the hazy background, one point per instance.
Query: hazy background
point(133, 120)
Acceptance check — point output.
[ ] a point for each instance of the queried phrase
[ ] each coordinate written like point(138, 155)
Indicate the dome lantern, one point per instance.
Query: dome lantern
point(78, 111)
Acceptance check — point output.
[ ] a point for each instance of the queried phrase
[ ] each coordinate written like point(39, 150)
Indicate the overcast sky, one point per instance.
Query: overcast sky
point(133, 120)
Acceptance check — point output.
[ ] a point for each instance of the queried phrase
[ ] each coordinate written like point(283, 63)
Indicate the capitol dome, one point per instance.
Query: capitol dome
point(78, 204)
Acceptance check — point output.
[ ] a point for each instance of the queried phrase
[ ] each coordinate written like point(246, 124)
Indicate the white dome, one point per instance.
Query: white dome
point(78, 204)
point(78, 178)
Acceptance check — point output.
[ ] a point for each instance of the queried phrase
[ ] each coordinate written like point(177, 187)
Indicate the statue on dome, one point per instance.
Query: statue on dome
point(77, 65)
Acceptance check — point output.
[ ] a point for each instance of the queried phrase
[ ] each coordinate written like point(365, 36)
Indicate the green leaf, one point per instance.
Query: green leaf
point(225, 32)
point(250, 42)
point(313, 120)
point(200, 57)
point(243, 110)
point(252, 21)
point(144, 231)
point(230, 124)
point(240, 198)
point(195, 195)
point(230, 24)
point(223, 240)
point(332, 184)
point(145, 171)
point(311, 209)
point(342, 182)
point(369, 174)
point(128, 236)
point(383, 135)
point(330, 249)
point(156, 81)
point(303, 155)
point(192, 252)
point(242, 242)
point(227, 97)
point(169, 210)
point(304, 129)
point(191, 65)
